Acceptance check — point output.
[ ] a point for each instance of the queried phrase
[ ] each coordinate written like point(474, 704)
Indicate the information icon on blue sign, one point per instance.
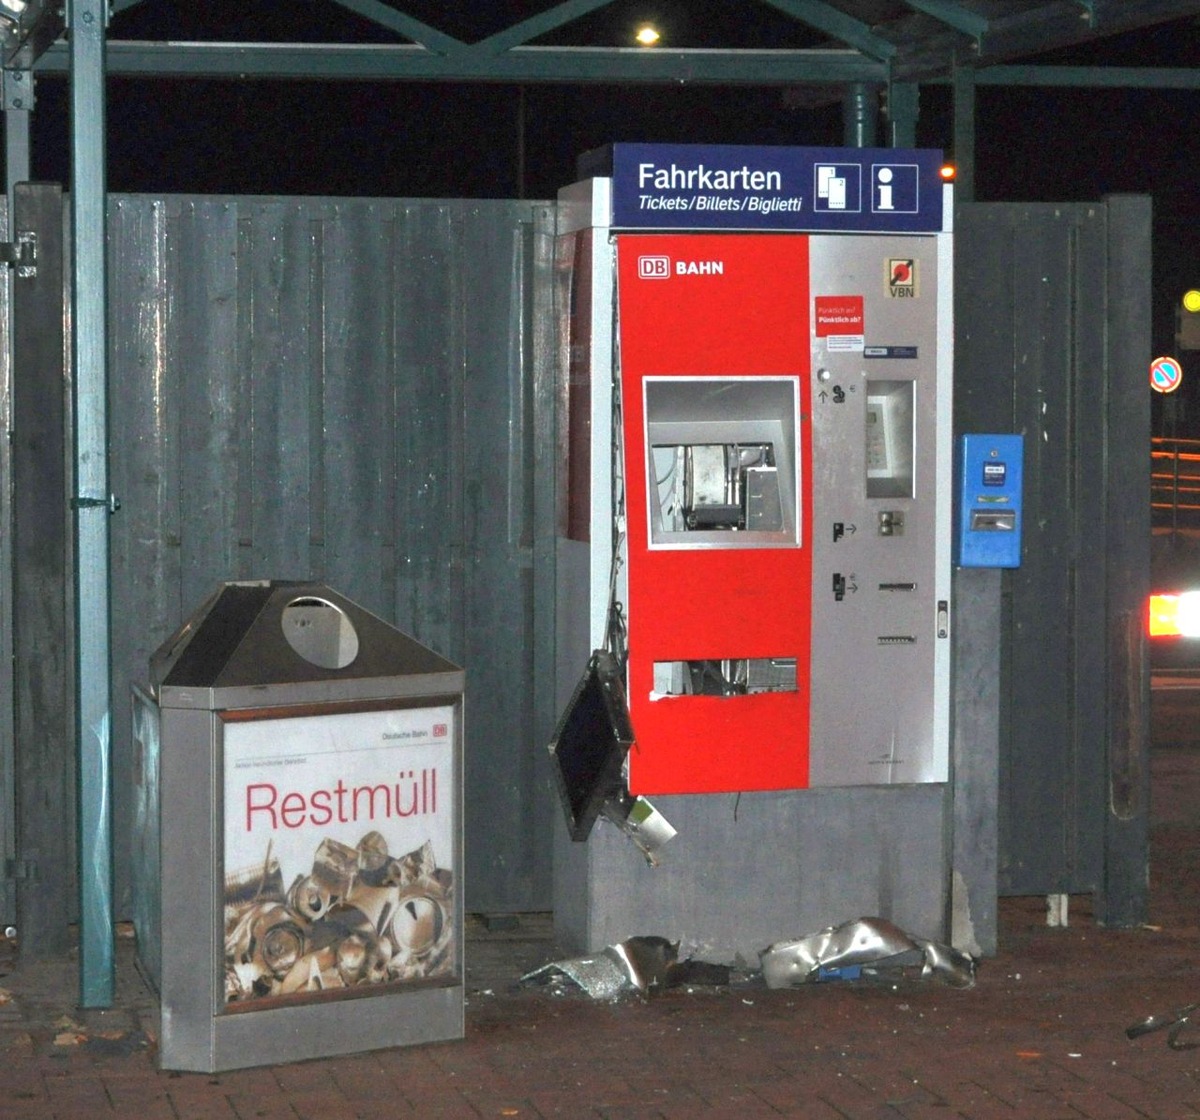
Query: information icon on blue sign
point(895, 188)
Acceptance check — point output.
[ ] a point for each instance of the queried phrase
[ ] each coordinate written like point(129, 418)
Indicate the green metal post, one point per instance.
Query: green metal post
point(859, 115)
point(86, 26)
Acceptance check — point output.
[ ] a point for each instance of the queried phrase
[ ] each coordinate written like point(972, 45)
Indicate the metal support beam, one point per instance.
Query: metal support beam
point(964, 134)
point(859, 115)
point(27, 29)
point(18, 104)
point(551, 20)
point(953, 15)
point(837, 25)
point(86, 20)
point(401, 62)
point(386, 16)
point(1092, 77)
point(902, 110)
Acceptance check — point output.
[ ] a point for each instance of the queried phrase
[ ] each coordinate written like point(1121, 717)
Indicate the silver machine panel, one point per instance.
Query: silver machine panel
point(881, 516)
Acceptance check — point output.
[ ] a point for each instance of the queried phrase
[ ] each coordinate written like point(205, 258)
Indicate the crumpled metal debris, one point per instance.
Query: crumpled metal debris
point(639, 964)
point(870, 946)
point(1173, 1022)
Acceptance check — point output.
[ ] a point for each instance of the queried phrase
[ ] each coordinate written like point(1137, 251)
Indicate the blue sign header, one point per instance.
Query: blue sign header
point(725, 186)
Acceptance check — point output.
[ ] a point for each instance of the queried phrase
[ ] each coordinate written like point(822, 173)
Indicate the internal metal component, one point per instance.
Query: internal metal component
point(718, 486)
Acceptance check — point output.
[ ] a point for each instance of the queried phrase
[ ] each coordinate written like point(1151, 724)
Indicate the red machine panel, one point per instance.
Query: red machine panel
point(714, 341)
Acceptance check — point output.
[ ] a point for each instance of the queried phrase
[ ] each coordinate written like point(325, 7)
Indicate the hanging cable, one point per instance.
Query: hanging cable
point(615, 632)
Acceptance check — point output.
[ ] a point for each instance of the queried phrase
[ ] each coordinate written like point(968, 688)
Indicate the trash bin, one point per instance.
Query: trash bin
point(297, 872)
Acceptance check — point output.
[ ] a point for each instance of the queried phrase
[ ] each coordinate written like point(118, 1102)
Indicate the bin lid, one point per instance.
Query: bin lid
point(252, 634)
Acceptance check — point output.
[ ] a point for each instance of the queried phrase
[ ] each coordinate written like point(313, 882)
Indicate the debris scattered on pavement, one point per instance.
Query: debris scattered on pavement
point(864, 948)
point(640, 964)
point(67, 1032)
point(1173, 1022)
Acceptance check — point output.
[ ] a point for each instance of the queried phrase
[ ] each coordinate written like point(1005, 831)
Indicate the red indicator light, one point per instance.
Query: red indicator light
point(1162, 619)
point(947, 172)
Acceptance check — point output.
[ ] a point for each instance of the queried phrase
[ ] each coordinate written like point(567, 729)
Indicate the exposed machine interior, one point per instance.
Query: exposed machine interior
point(722, 460)
point(728, 486)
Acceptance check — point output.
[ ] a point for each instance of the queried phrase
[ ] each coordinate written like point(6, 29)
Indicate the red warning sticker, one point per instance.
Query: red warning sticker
point(834, 315)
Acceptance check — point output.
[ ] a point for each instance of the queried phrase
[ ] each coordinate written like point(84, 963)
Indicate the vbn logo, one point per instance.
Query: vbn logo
point(654, 268)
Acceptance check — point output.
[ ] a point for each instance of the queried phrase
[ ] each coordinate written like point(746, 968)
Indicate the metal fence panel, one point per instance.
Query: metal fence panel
point(339, 390)
point(1043, 350)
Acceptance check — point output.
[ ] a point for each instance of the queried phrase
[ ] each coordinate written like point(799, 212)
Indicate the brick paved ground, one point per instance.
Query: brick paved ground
point(1041, 1035)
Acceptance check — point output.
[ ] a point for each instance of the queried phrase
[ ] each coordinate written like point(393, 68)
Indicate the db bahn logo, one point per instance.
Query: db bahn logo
point(654, 268)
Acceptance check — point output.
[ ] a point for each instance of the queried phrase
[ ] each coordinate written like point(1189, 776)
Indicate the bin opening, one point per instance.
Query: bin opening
point(320, 632)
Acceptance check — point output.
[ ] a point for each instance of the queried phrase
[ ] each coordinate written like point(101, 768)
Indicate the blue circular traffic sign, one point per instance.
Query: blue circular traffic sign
point(1166, 374)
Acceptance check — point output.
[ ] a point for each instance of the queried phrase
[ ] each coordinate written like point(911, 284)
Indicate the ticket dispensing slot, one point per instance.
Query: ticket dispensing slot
point(889, 440)
point(722, 462)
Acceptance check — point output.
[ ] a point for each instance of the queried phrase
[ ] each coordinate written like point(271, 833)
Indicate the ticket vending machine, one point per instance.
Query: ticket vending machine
point(755, 498)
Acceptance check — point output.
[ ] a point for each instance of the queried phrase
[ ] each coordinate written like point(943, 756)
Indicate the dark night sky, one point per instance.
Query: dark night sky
point(425, 140)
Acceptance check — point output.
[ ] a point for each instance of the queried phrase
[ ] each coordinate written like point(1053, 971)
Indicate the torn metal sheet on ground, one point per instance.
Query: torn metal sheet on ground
point(864, 947)
point(639, 964)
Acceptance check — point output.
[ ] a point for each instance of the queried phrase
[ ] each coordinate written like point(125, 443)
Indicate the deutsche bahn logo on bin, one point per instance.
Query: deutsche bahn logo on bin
point(654, 268)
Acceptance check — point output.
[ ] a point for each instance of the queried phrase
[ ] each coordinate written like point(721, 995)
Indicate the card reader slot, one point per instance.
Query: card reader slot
point(993, 520)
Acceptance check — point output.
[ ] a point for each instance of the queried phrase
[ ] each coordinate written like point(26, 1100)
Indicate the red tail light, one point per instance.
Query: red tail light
point(1174, 616)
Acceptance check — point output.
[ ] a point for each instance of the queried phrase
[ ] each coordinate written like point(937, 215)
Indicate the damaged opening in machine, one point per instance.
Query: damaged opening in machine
point(722, 462)
point(729, 676)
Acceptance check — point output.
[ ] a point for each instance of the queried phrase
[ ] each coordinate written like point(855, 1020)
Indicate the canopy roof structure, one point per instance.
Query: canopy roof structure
point(819, 43)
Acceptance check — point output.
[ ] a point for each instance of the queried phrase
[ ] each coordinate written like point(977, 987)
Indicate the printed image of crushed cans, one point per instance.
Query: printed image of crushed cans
point(360, 916)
